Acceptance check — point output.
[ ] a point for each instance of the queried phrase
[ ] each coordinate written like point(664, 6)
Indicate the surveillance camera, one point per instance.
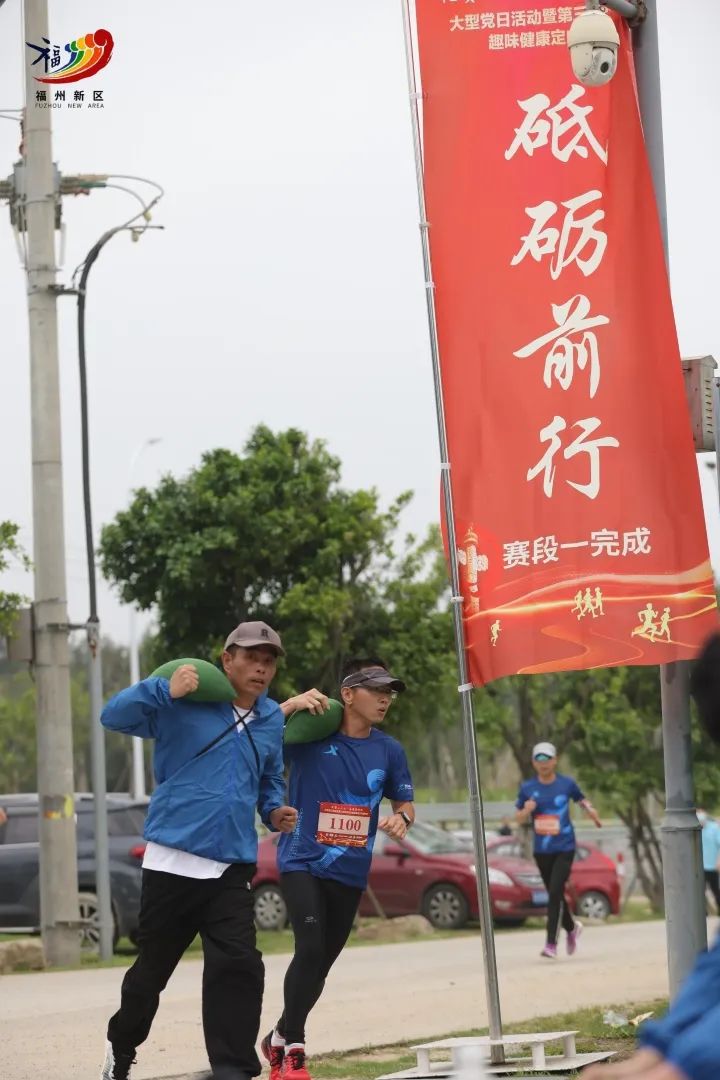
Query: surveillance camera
point(594, 42)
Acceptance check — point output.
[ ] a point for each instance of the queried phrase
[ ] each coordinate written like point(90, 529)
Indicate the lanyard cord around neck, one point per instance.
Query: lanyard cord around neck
point(240, 718)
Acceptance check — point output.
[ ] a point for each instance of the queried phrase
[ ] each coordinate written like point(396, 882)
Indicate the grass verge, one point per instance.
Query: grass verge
point(595, 1036)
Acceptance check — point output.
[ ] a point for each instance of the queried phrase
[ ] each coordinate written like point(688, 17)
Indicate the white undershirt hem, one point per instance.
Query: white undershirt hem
point(172, 861)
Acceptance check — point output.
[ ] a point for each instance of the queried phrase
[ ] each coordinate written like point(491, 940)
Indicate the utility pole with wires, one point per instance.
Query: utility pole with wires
point(34, 192)
point(58, 853)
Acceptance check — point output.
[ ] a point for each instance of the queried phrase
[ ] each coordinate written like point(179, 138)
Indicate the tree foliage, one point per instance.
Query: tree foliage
point(269, 534)
point(10, 550)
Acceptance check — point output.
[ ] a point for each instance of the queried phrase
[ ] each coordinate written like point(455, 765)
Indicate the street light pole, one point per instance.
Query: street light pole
point(58, 851)
point(683, 877)
point(137, 785)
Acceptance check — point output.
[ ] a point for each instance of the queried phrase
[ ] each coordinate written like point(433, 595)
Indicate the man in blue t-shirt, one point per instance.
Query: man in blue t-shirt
point(545, 801)
point(337, 785)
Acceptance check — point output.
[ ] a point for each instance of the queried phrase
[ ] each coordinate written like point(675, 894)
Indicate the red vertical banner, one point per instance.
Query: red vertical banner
point(579, 522)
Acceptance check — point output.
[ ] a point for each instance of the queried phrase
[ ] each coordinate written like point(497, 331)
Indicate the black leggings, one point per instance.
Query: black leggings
point(555, 871)
point(322, 912)
point(712, 882)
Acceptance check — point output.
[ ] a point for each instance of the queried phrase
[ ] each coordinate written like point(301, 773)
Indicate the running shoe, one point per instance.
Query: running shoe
point(294, 1065)
point(572, 938)
point(275, 1055)
point(118, 1063)
point(550, 951)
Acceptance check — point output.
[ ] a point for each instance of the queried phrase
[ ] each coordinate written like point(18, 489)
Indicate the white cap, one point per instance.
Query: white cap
point(546, 748)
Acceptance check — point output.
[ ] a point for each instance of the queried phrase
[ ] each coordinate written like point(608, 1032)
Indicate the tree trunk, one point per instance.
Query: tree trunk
point(646, 851)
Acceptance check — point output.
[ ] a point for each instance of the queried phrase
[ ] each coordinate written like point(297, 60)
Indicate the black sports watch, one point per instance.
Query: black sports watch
point(406, 818)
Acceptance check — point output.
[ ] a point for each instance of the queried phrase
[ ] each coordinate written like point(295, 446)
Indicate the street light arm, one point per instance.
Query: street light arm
point(87, 265)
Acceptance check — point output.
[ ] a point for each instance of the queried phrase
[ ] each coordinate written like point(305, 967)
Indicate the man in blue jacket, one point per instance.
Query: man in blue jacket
point(215, 765)
point(685, 1044)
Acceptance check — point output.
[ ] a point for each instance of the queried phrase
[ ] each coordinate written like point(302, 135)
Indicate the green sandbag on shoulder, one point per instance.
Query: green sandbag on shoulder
point(214, 684)
point(304, 727)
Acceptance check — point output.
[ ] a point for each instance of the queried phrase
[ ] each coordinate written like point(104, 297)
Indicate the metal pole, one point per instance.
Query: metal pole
point(716, 427)
point(623, 7)
point(137, 786)
point(492, 987)
point(97, 732)
point(58, 851)
point(684, 883)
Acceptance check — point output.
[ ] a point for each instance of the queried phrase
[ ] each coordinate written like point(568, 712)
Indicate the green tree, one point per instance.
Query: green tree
point(10, 550)
point(520, 711)
point(267, 535)
point(18, 768)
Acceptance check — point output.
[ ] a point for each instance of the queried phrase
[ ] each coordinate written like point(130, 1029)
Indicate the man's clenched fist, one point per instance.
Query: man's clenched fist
point(184, 680)
point(284, 819)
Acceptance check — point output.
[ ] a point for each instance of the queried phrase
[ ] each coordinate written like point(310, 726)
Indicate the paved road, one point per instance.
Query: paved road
point(53, 1024)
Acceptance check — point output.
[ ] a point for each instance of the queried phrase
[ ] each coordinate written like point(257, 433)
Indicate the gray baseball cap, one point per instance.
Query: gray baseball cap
point(372, 677)
point(250, 634)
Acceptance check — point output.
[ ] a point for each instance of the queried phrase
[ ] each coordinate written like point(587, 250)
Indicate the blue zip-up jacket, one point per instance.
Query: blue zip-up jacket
point(206, 805)
point(689, 1035)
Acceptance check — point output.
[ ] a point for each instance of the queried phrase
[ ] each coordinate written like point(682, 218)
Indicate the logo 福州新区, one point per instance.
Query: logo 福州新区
point(86, 56)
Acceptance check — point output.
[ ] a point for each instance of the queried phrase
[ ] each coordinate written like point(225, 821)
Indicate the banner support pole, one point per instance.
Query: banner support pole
point(465, 689)
point(683, 879)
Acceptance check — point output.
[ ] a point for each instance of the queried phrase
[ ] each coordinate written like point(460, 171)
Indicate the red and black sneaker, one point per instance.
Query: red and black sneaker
point(294, 1065)
point(274, 1054)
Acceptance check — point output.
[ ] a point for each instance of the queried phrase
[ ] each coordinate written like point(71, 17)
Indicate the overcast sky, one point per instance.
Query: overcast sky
point(286, 287)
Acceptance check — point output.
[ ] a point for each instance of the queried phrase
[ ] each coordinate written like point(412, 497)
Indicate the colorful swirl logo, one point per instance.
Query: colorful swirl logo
point(87, 56)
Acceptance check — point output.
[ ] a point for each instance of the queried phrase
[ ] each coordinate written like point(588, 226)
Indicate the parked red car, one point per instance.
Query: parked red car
point(429, 872)
point(594, 886)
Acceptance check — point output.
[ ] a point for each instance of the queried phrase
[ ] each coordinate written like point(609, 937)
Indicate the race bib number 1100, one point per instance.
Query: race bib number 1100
point(348, 826)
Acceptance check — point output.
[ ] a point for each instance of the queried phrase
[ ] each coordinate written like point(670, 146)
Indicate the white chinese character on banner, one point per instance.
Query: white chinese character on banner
point(549, 15)
point(560, 361)
point(527, 40)
point(512, 41)
point(543, 37)
point(567, 121)
point(516, 553)
point(565, 15)
point(604, 542)
point(545, 550)
point(472, 22)
point(559, 37)
point(519, 18)
point(637, 542)
point(542, 240)
point(503, 20)
point(488, 21)
point(456, 23)
point(496, 41)
point(546, 465)
point(534, 18)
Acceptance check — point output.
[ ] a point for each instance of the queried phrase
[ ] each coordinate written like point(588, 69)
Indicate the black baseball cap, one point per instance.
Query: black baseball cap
point(372, 677)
